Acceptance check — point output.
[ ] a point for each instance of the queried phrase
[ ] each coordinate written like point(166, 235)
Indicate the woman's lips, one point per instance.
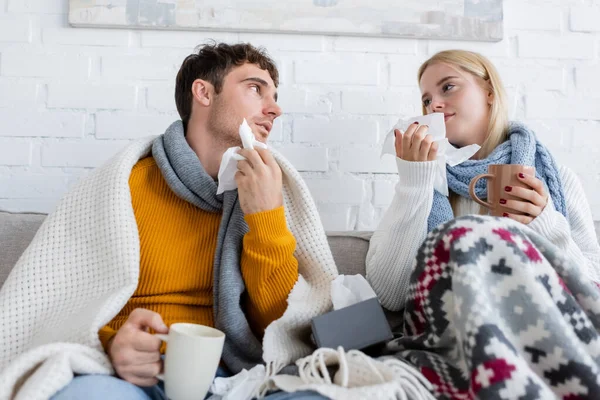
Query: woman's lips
point(447, 117)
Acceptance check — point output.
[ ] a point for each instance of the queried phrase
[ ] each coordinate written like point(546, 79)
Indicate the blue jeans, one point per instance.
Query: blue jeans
point(101, 387)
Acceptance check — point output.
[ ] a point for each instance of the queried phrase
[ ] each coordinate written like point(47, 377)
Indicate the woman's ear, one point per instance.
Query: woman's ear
point(203, 92)
point(490, 98)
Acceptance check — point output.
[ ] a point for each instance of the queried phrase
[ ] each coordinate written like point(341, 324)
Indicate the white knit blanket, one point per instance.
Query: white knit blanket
point(82, 267)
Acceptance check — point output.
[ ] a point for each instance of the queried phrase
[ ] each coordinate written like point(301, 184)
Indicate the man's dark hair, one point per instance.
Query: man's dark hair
point(212, 62)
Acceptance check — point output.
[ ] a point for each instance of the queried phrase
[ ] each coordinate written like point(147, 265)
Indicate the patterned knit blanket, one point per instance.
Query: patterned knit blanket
point(495, 312)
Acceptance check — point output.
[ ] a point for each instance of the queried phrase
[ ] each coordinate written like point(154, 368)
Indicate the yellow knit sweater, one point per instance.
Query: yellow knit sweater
point(178, 243)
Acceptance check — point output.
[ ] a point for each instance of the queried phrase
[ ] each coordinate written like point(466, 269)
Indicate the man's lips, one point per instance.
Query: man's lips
point(267, 126)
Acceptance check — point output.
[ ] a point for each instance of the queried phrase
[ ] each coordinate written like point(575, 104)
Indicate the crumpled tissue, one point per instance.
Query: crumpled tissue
point(447, 154)
point(228, 167)
point(347, 290)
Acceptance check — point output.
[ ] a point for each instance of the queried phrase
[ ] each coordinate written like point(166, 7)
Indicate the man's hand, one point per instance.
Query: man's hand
point(259, 181)
point(134, 352)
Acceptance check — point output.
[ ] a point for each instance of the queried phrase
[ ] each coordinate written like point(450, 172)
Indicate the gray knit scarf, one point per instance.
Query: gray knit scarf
point(186, 176)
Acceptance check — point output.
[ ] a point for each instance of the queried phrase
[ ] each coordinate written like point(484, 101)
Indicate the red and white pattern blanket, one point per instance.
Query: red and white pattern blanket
point(495, 312)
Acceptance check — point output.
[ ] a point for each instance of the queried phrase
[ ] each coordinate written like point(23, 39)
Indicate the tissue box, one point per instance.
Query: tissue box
point(361, 326)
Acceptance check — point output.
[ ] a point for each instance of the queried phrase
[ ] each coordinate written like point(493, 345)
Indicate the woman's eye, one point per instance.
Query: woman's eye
point(426, 102)
point(447, 87)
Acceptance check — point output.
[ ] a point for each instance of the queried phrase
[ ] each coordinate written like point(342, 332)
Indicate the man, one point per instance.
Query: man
point(193, 243)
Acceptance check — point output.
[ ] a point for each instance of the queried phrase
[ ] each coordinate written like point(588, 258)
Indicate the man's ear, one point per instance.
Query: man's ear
point(203, 92)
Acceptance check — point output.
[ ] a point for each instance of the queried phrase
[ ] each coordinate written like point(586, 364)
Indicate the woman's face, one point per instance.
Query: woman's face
point(463, 100)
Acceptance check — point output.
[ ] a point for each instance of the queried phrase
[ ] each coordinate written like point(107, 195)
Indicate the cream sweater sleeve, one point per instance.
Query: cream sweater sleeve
point(401, 232)
point(576, 236)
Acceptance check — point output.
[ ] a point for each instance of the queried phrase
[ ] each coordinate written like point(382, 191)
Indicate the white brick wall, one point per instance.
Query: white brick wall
point(70, 98)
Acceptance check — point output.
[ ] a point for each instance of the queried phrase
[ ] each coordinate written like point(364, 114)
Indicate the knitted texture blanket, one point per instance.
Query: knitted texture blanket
point(83, 265)
point(495, 311)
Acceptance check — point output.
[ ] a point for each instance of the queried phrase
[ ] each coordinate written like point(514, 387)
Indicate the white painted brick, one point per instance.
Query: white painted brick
point(532, 76)
point(33, 123)
point(405, 103)
point(584, 19)
point(288, 42)
point(85, 37)
point(306, 158)
point(15, 29)
point(532, 17)
point(15, 152)
point(101, 96)
point(38, 6)
point(384, 191)
point(276, 134)
point(140, 67)
point(586, 140)
point(355, 70)
point(185, 40)
point(45, 65)
point(80, 154)
point(374, 45)
point(543, 105)
point(335, 217)
point(335, 131)
point(162, 97)
point(17, 94)
point(555, 46)
point(366, 160)
point(28, 185)
point(339, 189)
point(496, 49)
point(403, 70)
point(130, 126)
point(587, 78)
point(302, 101)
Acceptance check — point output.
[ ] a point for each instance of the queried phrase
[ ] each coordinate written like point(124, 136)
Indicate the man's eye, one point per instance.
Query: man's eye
point(256, 88)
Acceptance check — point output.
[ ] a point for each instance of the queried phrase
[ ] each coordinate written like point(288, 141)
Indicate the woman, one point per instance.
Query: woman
point(494, 307)
point(467, 89)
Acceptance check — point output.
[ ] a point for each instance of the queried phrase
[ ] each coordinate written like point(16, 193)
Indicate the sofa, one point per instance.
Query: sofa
point(17, 229)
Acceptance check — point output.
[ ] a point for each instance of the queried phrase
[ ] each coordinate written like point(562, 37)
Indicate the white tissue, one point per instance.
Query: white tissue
point(447, 154)
point(243, 386)
point(347, 290)
point(228, 166)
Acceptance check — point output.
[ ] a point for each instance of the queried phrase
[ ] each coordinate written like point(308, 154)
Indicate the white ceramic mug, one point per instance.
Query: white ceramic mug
point(191, 360)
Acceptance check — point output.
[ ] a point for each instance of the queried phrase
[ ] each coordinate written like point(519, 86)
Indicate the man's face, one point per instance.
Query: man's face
point(248, 92)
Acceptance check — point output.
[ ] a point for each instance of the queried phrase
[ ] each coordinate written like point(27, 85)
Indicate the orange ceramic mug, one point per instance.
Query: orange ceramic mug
point(500, 176)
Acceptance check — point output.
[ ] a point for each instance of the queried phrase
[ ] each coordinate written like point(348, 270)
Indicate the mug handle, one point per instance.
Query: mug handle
point(472, 189)
point(164, 338)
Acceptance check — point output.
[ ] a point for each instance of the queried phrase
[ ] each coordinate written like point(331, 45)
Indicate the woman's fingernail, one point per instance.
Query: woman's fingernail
point(521, 175)
point(395, 133)
point(508, 188)
point(502, 201)
point(505, 215)
point(416, 123)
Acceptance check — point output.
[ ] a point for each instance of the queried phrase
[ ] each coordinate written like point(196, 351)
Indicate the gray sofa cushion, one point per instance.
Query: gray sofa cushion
point(16, 231)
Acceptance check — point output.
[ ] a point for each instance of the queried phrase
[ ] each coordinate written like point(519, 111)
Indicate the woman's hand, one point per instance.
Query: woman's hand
point(533, 201)
point(415, 144)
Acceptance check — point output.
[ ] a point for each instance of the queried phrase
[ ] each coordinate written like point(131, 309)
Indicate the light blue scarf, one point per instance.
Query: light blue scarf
point(522, 147)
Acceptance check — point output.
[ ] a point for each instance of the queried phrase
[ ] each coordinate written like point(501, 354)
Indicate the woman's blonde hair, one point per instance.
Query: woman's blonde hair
point(482, 68)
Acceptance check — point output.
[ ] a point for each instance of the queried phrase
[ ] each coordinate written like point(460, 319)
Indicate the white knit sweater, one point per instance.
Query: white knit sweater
point(82, 267)
point(403, 229)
